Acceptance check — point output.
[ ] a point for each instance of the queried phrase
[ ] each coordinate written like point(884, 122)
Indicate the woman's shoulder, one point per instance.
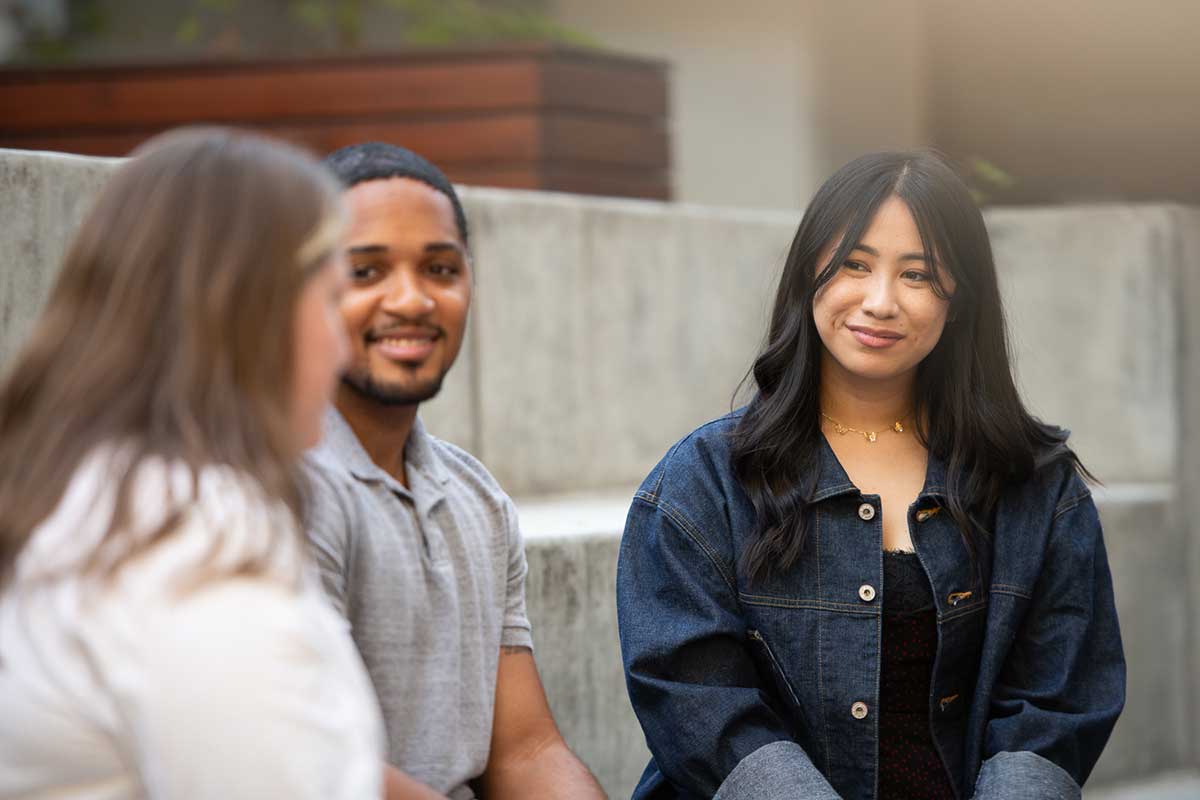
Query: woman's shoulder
point(1051, 506)
point(698, 461)
point(1058, 478)
point(213, 515)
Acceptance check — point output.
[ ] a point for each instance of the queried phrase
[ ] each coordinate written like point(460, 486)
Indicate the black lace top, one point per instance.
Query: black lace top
point(909, 765)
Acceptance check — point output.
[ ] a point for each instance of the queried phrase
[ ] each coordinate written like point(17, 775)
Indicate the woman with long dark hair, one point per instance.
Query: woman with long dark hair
point(881, 578)
point(160, 632)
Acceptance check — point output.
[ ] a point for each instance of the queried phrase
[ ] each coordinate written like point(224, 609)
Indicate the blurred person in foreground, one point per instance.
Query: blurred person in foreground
point(419, 546)
point(882, 578)
point(161, 632)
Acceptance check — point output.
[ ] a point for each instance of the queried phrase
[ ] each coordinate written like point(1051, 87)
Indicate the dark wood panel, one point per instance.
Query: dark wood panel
point(502, 139)
point(524, 136)
point(491, 138)
point(83, 143)
point(121, 97)
point(609, 181)
point(605, 140)
point(533, 119)
point(636, 90)
point(150, 99)
point(501, 176)
point(571, 178)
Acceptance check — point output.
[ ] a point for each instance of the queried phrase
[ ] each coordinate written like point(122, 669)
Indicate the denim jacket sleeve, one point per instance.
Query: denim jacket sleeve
point(710, 727)
point(1062, 685)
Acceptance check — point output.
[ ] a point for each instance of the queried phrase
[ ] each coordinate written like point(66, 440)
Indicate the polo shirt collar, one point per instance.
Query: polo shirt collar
point(419, 452)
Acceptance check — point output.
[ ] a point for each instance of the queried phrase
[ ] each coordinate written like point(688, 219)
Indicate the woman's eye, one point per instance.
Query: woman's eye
point(914, 275)
point(855, 266)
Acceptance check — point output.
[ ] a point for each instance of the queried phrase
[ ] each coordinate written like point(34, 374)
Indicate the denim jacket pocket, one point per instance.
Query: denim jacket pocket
point(783, 686)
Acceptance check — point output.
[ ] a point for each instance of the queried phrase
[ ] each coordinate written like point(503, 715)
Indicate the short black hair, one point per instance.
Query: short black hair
point(372, 161)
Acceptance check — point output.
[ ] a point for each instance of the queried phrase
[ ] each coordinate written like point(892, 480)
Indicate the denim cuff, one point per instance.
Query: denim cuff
point(776, 771)
point(1016, 776)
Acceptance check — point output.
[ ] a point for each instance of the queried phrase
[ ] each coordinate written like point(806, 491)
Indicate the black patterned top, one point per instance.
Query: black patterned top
point(909, 765)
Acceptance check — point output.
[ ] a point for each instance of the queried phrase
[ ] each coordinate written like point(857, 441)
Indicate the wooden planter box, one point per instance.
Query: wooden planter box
point(526, 117)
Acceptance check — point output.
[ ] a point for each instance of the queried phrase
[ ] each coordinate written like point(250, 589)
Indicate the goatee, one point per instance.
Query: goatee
point(392, 394)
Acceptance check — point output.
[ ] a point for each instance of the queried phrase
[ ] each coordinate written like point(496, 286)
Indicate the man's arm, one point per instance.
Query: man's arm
point(398, 786)
point(528, 756)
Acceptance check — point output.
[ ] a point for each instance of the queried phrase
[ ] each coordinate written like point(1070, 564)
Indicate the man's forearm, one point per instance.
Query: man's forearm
point(552, 771)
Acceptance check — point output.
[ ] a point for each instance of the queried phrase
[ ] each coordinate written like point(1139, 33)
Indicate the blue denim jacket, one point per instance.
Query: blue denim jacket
point(770, 690)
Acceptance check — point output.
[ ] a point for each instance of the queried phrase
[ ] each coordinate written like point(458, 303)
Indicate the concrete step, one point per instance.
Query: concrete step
point(1170, 786)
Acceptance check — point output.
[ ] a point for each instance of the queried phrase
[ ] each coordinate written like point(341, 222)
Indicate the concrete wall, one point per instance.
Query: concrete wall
point(42, 199)
point(604, 330)
point(1077, 99)
point(770, 97)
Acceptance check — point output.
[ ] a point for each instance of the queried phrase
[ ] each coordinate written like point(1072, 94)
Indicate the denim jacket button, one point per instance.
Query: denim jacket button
point(866, 511)
point(866, 592)
point(859, 710)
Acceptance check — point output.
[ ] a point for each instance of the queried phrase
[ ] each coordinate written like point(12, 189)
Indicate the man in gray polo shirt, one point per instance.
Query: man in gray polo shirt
point(418, 546)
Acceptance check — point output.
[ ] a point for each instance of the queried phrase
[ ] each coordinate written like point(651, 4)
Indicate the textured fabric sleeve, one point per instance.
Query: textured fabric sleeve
point(516, 631)
point(327, 524)
point(778, 770)
point(1063, 682)
point(1019, 776)
point(709, 724)
point(242, 697)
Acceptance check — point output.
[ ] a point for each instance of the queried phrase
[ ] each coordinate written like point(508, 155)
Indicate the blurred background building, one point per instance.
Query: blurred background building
point(1069, 100)
point(1057, 100)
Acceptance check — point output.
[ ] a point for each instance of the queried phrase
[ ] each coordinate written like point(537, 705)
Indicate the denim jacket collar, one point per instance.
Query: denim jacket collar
point(832, 481)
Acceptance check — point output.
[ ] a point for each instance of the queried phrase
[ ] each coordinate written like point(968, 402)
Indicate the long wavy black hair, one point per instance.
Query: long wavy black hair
point(967, 409)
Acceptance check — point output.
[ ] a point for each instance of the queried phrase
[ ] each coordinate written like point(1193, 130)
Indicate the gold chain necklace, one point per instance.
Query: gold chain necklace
point(870, 436)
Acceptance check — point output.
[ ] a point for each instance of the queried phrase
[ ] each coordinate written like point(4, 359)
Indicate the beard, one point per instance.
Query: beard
point(392, 394)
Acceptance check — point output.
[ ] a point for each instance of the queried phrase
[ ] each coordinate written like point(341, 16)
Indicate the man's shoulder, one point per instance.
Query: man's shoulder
point(331, 502)
point(464, 469)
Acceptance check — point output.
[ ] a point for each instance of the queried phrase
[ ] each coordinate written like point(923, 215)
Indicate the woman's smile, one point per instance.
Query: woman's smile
point(875, 338)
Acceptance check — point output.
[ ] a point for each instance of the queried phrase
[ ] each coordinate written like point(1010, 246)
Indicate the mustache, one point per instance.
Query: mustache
point(398, 331)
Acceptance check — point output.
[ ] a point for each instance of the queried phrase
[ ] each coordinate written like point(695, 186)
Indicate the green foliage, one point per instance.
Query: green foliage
point(445, 22)
point(189, 30)
point(87, 19)
point(985, 179)
point(293, 27)
point(322, 24)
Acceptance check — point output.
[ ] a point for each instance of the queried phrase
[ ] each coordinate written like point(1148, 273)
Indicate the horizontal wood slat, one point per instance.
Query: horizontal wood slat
point(616, 88)
point(504, 137)
point(256, 96)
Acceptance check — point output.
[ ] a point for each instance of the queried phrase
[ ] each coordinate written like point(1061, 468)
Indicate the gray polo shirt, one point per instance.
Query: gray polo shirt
point(432, 581)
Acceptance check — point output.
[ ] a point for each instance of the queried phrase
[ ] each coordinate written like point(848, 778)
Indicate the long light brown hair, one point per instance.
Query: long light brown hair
point(169, 330)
